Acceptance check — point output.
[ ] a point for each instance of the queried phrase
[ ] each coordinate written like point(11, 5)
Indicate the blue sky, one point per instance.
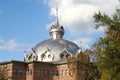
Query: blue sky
point(24, 23)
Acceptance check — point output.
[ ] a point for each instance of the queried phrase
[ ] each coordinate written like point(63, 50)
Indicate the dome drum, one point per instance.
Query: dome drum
point(56, 32)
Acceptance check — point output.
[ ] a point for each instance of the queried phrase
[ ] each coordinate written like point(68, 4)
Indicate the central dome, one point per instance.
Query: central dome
point(60, 49)
point(55, 49)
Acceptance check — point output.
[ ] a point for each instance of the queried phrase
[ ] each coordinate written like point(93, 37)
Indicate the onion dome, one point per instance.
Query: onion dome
point(55, 49)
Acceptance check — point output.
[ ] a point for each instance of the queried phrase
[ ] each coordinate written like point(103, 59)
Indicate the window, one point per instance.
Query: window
point(67, 56)
point(30, 71)
point(61, 55)
point(49, 56)
point(16, 71)
point(56, 73)
point(63, 73)
point(70, 72)
point(43, 56)
point(67, 72)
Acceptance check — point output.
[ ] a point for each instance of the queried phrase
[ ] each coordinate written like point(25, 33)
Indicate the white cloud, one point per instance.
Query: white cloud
point(83, 42)
point(9, 45)
point(76, 15)
point(12, 45)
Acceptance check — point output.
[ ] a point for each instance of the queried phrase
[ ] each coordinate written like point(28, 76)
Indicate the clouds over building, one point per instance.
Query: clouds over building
point(77, 15)
point(83, 42)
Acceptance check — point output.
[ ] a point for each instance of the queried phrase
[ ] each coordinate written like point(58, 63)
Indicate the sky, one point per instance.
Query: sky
point(25, 23)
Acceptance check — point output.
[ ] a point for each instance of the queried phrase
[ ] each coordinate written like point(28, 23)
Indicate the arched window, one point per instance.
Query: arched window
point(63, 73)
point(70, 72)
point(67, 72)
point(16, 71)
point(68, 55)
point(30, 71)
point(61, 56)
point(56, 73)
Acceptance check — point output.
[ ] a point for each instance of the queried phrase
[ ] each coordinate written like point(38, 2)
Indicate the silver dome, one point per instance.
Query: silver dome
point(54, 49)
point(56, 46)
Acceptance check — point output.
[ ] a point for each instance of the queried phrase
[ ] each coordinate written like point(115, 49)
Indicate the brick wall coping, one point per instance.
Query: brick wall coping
point(15, 61)
point(47, 62)
point(11, 61)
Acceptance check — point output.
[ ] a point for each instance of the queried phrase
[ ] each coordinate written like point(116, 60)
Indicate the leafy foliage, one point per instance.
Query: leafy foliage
point(4, 74)
point(109, 46)
point(82, 68)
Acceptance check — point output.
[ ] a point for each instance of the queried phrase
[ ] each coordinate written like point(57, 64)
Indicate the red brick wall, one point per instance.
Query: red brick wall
point(15, 70)
point(18, 71)
point(49, 71)
point(38, 71)
point(29, 71)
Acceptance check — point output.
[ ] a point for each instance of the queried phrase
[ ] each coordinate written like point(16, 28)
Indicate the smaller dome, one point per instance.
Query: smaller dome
point(56, 31)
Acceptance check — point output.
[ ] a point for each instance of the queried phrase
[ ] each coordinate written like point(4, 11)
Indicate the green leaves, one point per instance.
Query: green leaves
point(109, 47)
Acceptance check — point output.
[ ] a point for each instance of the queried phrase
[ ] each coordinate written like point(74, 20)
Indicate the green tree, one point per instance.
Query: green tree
point(108, 47)
point(81, 68)
point(4, 74)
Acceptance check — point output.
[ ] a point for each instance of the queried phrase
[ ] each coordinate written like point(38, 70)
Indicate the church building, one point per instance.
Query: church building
point(47, 60)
